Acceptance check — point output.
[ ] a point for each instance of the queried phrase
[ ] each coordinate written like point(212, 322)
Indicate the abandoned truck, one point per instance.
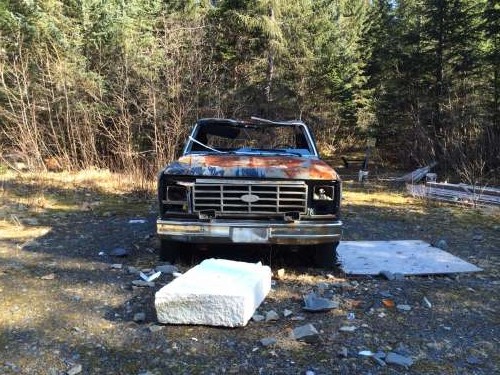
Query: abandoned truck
point(254, 182)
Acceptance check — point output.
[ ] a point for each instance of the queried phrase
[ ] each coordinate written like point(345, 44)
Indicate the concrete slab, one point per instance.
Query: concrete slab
point(216, 292)
point(409, 257)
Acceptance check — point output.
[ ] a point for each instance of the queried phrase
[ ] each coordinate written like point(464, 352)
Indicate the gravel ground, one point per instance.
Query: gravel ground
point(65, 309)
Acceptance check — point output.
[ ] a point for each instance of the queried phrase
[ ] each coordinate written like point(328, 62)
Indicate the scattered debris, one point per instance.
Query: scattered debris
point(403, 307)
point(50, 276)
point(389, 303)
point(132, 270)
point(457, 193)
point(415, 176)
point(348, 328)
point(268, 341)
point(280, 273)
point(258, 317)
point(119, 252)
point(442, 244)
point(139, 317)
point(287, 313)
point(167, 269)
point(343, 352)
point(74, 370)
point(477, 237)
point(116, 266)
point(313, 303)
point(473, 360)
point(398, 359)
point(379, 358)
point(151, 277)
point(137, 221)
point(155, 328)
point(351, 316)
point(366, 353)
point(307, 333)
point(143, 283)
point(272, 316)
point(426, 302)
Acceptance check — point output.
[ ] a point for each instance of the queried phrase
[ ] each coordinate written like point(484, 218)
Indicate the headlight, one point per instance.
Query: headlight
point(176, 197)
point(176, 194)
point(323, 193)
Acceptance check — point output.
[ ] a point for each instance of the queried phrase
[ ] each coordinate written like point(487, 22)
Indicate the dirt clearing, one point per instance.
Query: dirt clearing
point(69, 306)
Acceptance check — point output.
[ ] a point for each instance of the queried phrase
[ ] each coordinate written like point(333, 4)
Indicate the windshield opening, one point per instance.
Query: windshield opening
point(248, 138)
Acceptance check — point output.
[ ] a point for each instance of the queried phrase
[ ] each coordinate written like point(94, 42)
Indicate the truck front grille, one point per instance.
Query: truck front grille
point(250, 197)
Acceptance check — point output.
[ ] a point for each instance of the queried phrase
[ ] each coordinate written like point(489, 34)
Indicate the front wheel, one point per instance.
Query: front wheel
point(325, 255)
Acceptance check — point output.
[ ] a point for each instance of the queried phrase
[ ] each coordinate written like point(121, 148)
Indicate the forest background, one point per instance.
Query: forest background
point(118, 83)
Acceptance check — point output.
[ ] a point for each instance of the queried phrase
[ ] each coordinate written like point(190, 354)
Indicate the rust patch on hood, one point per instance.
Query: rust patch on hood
point(253, 166)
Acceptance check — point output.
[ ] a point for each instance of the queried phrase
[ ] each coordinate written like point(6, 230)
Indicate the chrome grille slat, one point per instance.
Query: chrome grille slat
point(225, 197)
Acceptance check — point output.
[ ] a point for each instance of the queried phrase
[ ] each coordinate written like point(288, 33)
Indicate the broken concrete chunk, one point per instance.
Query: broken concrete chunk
point(216, 292)
point(272, 316)
point(348, 328)
point(473, 360)
point(307, 333)
point(132, 270)
point(343, 352)
point(74, 370)
point(313, 303)
point(143, 283)
point(397, 359)
point(403, 307)
point(268, 341)
point(442, 244)
point(167, 269)
point(258, 317)
point(139, 317)
point(155, 328)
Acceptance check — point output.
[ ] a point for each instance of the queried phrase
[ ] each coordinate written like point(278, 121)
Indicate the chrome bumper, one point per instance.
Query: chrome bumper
point(226, 231)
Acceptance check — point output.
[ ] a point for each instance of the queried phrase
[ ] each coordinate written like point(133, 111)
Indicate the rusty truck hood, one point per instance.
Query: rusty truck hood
point(252, 166)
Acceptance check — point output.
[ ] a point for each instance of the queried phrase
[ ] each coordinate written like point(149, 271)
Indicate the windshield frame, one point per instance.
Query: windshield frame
point(311, 150)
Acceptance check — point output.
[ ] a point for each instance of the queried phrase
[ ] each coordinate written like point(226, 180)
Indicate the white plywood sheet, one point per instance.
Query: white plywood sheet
point(408, 257)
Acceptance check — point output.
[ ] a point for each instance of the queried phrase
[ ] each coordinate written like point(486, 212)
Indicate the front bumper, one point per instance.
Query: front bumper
point(228, 231)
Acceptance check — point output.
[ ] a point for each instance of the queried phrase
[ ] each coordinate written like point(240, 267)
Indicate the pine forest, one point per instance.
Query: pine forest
point(118, 83)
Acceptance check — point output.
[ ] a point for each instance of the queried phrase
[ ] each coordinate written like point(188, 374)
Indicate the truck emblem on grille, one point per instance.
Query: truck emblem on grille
point(249, 198)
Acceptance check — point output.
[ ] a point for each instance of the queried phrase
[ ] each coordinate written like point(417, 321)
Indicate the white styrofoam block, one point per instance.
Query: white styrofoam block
point(216, 292)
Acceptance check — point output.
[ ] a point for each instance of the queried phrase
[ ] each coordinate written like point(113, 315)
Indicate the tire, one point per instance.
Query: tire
point(325, 255)
point(169, 250)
